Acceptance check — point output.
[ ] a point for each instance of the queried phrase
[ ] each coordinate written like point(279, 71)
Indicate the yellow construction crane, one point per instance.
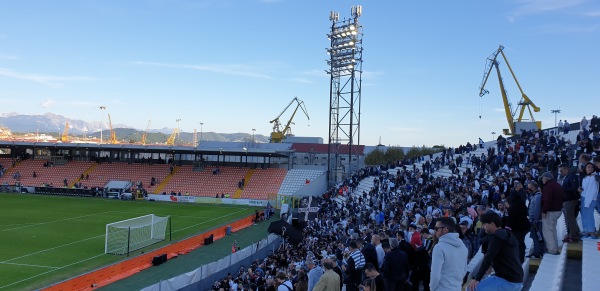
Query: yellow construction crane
point(65, 136)
point(278, 134)
point(171, 140)
point(518, 124)
point(145, 135)
point(113, 134)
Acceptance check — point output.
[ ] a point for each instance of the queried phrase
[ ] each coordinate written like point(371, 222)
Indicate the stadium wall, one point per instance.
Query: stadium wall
point(204, 276)
point(126, 268)
point(207, 200)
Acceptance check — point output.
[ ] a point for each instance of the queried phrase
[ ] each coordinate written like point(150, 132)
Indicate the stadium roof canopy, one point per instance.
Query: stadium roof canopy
point(235, 149)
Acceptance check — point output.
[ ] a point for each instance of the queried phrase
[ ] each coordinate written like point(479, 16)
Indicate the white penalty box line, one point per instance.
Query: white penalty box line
point(53, 269)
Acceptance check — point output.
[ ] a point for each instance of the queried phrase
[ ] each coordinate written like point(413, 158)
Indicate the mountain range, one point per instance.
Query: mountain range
point(54, 124)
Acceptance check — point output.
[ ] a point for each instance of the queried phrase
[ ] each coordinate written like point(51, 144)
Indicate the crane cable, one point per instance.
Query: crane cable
point(480, 104)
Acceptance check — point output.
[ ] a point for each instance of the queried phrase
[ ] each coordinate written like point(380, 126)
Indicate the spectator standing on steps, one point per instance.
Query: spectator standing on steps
point(552, 197)
point(535, 219)
point(570, 184)
point(589, 198)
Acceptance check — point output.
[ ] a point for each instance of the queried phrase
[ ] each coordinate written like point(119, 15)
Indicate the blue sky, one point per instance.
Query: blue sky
point(234, 65)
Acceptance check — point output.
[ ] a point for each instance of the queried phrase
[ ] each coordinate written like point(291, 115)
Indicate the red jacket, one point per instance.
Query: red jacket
point(552, 196)
point(415, 240)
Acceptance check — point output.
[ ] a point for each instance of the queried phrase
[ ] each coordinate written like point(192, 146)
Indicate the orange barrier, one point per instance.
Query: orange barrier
point(124, 269)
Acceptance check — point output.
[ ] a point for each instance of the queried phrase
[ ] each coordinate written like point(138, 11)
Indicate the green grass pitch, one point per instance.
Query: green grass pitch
point(47, 239)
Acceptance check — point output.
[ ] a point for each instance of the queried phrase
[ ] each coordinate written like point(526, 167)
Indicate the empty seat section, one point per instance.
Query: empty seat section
point(106, 172)
point(296, 179)
point(53, 176)
point(205, 183)
point(263, 183)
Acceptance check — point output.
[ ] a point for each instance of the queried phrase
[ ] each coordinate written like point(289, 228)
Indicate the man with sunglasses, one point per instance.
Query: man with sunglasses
point(449, 258)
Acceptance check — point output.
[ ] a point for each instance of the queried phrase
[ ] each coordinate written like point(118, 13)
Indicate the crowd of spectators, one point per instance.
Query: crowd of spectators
point(383, 238)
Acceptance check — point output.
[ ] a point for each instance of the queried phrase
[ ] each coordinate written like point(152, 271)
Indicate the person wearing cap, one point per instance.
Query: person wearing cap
point(570, 184)
point(552, 197)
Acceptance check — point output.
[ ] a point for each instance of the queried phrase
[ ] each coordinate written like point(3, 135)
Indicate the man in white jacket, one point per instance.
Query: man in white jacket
point(449, 258)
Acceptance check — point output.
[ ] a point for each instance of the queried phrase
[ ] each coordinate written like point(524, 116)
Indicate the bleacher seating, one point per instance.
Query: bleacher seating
point(105, 172)
point(204, 183)
point(296, 179)
point(54, 175)
point(264, 182)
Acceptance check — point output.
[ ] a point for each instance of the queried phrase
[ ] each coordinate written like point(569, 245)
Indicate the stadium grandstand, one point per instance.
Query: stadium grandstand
point(213, 169)
point(404, 192)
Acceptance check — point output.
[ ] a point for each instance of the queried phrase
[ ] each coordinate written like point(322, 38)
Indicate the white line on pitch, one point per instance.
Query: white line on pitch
point(53, 221)
point(44, 273)
point(186, 216)
point(53, 248)
point(243, 209)
point(29, 265)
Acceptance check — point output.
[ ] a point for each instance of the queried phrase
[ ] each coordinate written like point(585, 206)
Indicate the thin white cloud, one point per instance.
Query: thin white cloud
point(371, 74)
point(300, 80)
point(592, 13)
point(48, 103)
point(8, 57)
point(226, 69)
point(49, 80)
point(316, 73)
point(567, 29)
point(528, 7)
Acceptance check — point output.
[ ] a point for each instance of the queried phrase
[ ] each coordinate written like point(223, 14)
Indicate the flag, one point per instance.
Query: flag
point(308, 208)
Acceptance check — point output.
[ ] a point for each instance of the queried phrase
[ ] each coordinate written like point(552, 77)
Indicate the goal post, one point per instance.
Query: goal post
point(123, 237)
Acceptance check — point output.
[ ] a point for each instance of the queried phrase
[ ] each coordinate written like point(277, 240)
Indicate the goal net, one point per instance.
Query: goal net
point(132, 234)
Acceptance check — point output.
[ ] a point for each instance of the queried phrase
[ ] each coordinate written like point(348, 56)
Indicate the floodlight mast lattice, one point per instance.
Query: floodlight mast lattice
point(345, 70)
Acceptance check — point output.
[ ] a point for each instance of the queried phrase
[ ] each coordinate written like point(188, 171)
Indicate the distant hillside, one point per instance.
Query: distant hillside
point(55, 124)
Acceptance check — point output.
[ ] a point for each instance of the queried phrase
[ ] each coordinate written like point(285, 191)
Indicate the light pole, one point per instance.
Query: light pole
point(555, 112)
point(253, 130)
point(178, 134)
point(201, 124)
point(102, 108)
point(493, 135)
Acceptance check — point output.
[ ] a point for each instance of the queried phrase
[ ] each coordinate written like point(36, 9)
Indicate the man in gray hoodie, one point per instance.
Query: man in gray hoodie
point(449, 258)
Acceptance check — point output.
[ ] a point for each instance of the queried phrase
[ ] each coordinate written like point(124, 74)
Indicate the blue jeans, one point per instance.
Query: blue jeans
point(588, 222)
point(498, 284)
point(539, 247)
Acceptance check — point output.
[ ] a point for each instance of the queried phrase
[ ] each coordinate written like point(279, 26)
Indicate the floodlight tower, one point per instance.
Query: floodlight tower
point(102, 108)
point(556, 112)
point(345, 71)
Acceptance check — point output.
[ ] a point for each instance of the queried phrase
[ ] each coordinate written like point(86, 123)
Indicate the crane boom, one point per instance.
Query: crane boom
point(279, 134)
point(113, 134)
point(171, 140)
point(145, 135)
point(65, 136)
point(492, 62)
